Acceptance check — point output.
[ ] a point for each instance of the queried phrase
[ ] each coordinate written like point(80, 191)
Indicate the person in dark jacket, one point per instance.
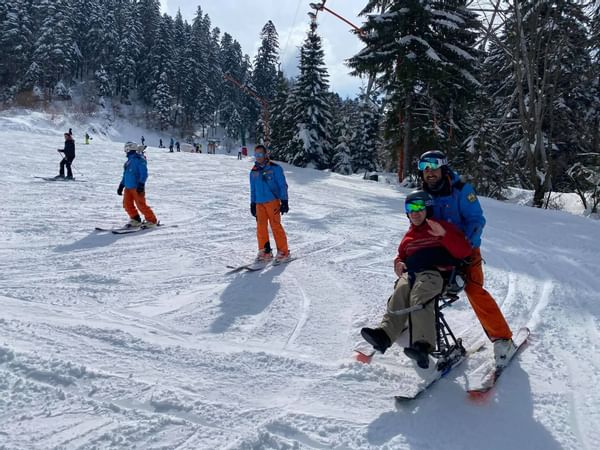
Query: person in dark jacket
point(68, 156)
point(428, 251)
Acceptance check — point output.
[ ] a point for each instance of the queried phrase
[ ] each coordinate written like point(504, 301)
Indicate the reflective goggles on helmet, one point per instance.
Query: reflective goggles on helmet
point(432, 163)
point(415, 206)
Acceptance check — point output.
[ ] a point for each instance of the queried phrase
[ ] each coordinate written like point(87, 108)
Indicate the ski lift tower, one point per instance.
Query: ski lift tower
point(264, 105)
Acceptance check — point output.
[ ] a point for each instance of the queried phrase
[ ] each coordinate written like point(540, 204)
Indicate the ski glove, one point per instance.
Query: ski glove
point(140, 188)
point(253, 209)
point(284, 207)
point(120, 189)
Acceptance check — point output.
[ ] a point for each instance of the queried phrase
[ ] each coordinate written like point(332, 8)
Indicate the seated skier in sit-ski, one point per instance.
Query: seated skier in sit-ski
point(428, 249)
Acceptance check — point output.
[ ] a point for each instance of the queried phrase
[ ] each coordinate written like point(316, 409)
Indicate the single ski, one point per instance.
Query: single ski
point(252, 267)
point(60, 179)
point(491, 374)
point(441, 369)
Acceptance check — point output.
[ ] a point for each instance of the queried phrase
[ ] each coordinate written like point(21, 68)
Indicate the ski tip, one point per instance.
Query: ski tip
point(479, 396)
point(362, 357)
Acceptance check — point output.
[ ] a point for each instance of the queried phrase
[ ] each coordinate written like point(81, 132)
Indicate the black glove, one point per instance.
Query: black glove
point(284, 207)
point(120, 189)
point(140, 188)
point(253, 209)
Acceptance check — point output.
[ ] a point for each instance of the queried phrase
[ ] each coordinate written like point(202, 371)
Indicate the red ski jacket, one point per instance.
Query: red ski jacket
point(419, 250)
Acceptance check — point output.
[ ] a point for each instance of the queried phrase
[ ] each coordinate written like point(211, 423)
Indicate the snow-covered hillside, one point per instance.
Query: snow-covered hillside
point(142, 341)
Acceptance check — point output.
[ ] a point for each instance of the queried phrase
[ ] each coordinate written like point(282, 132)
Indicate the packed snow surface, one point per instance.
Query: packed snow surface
point(144, 341)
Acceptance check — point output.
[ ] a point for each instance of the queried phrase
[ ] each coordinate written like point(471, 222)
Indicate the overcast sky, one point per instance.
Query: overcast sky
point(244, 19)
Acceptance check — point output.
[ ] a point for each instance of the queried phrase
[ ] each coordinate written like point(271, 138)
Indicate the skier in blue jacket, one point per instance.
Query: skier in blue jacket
point(455, 201)
point(133, 183)
point(268, 200)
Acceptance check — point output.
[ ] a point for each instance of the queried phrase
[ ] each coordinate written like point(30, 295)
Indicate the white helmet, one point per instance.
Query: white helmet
point(133, 147)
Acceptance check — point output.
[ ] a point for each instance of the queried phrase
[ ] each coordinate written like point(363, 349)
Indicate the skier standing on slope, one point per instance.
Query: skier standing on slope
point(455, 201)
point(135, 174)
point(428, 251)
point(68, 157)
point(268, 200)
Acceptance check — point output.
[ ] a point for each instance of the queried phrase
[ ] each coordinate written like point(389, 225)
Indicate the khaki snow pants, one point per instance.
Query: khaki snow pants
point(421, 323)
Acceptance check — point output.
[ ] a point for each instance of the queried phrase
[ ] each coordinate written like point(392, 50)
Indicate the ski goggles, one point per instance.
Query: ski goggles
point(415, 206)
point(259, 155)
point(432, 163)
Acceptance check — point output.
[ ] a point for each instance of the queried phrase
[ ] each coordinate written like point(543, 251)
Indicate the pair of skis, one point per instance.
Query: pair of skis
point(60, 179)
point(487, 375)
point(257, 265)
point(129, 230)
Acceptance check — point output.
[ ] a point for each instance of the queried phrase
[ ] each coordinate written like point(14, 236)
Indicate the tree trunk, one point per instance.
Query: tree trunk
point(406, 156)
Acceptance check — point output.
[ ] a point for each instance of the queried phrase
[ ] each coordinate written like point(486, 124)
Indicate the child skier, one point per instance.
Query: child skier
point(135, 174)
point(427, 250)
point(268, 200)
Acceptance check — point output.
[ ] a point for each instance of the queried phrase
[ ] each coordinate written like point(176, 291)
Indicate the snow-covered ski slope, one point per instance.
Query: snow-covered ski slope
point(142, 341)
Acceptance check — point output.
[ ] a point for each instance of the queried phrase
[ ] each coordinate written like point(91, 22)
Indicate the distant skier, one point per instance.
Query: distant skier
point(160, 144)
point(87, 139)
point(68, 157)
point(143, 140)
point(428, 251)
point(455, 201)
point(178, 146)
point(171, 144)
point(135, 174)
point(268, 200)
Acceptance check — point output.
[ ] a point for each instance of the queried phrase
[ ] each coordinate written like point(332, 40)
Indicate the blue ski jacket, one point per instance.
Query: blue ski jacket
point(267, 183)
point(135, 170)
point(461, 207)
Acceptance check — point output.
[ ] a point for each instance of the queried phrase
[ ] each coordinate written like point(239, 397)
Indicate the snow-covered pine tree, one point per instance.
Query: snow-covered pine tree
point(163, 54)
point(341, 162)
point(16, 41)
point(148, 13)
point(233, 125)
point(162, 102)
point(231, 56)
point(310, 100)
point(423, 55)
point(195, 68)
point(366, 140)
point(180, 37)
point(548, 41)
point(55, 51)
point(282, 125)
point(103, 86)
point(128, 50)
point(264, 77)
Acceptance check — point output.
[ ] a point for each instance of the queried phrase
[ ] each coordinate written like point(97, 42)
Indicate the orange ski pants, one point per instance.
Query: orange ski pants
point(485, 307)
point(268, 213)
point(132, 199)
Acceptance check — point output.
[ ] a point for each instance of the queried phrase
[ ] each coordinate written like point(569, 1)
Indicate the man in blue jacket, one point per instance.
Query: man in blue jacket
point(455, 201)
point(268, 200)
point(135, 174)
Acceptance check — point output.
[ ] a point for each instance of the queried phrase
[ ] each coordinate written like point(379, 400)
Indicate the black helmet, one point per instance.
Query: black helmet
point(417, 200)
point(433, 159)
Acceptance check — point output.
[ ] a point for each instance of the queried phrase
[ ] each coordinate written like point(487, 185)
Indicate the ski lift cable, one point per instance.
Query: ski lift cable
point(291, 28)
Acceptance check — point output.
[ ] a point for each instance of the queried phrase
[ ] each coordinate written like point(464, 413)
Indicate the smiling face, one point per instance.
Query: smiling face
point(417, 217)
point(432, 176)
